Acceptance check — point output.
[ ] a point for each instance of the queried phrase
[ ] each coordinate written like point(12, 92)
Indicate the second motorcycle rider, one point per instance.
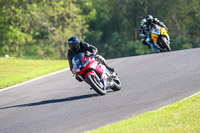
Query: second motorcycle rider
point(146, 24)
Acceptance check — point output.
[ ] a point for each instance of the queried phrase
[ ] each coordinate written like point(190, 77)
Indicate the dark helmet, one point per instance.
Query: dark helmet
point(74, 43)
point(144, 22)
point(149, 18)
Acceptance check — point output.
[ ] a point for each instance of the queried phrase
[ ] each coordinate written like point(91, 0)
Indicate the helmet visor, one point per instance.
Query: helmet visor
point(73, 45)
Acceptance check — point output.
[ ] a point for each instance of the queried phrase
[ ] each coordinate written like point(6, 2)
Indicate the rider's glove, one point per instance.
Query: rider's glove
point(142, 36)
point(92, 55)
point(78, 78)
point(87, 53)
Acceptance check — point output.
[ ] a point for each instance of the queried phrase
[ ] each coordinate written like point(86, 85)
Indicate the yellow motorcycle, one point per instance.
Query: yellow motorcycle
point(159, 39)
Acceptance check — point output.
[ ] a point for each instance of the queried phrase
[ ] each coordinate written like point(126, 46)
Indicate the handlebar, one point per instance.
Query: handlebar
point(90, 55)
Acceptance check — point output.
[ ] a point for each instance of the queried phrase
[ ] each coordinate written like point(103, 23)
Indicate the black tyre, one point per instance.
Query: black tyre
point(165, 44)
point(96, 85)
point(117, 84)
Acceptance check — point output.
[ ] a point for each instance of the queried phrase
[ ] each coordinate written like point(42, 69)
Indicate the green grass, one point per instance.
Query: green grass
point(14, 71)
point(181, 117)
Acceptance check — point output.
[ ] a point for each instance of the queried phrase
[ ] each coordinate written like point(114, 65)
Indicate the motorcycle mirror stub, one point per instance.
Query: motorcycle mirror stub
point(76, 70)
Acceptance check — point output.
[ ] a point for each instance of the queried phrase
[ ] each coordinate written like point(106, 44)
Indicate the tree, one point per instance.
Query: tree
point(61, 20)
point(46, 24)
point(40, 28)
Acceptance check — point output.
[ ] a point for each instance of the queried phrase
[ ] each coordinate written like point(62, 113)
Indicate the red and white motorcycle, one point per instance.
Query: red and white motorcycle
point(95, 74)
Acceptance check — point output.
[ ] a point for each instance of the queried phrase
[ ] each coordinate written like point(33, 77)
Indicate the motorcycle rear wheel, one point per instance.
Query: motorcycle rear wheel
point(95, 85)
point(117, 84)
point(165, 44)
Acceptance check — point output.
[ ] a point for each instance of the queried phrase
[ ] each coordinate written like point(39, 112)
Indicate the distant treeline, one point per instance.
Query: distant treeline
point(40, 28)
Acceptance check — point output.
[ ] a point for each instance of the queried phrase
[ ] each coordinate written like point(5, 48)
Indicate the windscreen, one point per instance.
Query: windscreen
point(156, 30)
point(77, 60)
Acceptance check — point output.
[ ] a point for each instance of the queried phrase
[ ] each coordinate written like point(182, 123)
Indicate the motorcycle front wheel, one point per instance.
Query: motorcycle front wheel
point(96, 85)
point(165, 44)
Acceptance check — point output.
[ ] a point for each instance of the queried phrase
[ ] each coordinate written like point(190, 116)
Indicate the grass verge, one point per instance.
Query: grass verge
point(14, 71)
point(181, 117)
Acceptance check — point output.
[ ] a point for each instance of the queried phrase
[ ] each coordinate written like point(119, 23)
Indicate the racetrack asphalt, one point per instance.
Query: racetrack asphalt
point(60, 104)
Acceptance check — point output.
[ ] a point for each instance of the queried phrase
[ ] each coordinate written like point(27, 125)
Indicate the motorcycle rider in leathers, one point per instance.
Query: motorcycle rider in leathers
point(146, 25)
point(76, 46)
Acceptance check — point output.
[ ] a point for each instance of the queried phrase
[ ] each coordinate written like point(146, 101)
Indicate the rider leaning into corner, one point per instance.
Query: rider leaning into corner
point(76, 46)
point(146, 24)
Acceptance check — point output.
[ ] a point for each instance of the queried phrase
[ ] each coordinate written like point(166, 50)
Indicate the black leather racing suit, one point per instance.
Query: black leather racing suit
point(84, 48)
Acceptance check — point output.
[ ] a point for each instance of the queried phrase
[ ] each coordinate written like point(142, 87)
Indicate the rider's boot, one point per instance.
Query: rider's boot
point(110, 68)
point(156, 48)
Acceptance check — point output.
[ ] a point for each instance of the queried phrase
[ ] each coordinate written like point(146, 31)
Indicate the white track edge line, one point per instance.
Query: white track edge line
point(191, 96)
point(3, 89)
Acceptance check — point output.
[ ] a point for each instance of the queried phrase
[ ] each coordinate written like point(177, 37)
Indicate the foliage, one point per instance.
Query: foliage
point(40, 28)
point(121, 19)
point(44, 25)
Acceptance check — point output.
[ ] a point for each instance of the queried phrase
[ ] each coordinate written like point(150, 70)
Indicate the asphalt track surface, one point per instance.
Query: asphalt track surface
point(60, 104)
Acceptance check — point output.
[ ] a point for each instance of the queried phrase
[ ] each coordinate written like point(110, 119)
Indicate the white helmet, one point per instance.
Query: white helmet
point(144, 23)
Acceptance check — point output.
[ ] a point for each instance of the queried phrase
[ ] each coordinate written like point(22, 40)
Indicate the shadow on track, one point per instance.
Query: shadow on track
point(53, 101)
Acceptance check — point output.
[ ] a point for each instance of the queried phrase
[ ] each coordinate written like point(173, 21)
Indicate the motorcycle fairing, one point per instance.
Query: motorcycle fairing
point(103, 73)
point(106, 77)
point(85, 66)
point(164, 31)
point(155, 32)
point(155, 38)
